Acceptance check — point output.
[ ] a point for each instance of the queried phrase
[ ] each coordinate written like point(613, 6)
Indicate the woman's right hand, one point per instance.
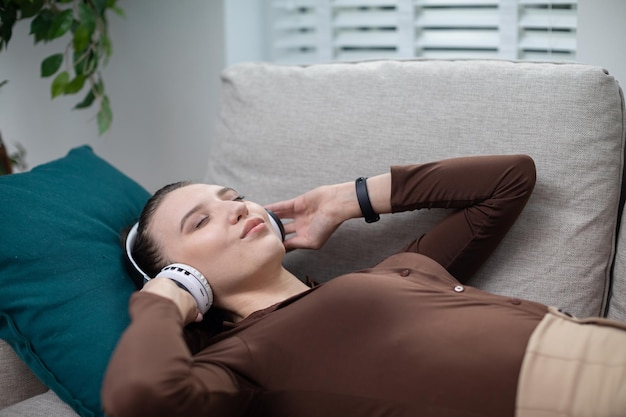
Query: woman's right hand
point(186, 304)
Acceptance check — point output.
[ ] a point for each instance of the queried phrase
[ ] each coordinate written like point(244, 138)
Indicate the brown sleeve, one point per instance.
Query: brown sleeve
point(489, 193)
point(151, 371)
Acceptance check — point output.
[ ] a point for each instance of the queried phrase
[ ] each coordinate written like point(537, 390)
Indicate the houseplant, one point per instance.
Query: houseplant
point(11, 161)
point(87, 51)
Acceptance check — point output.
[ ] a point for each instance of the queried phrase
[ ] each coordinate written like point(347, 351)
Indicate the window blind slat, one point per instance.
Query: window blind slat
point(448, 17)
point(364, 3)
point(546, 18)
point(292, 4)
point(354, 18)
point(460, 54)
point(461, 39)
point(546, 2)
point(456, 2)
point(374, 39)
point(543, 40)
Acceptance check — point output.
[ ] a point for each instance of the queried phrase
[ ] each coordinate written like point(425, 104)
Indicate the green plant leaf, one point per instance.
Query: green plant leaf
point(30, 8)
point(8, 17)
point(61, 24)
point(87, 17)
point(6, 31)
point(40, 25)
point(87, 101)
point(107, 48)
point(51, 65)
point(81, 39)
point(100, 6)
point(105, 116)
point(75, 85)
point(78, 61)
point(99, 87)
point(118, 11)
point(59, 83)
point(90, 64)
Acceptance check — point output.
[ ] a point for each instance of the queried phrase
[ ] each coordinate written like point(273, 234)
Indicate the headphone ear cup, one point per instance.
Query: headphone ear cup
point(191, 280)
point(277, 224)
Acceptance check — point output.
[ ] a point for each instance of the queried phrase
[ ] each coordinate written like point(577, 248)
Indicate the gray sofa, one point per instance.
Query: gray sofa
point(284, 129)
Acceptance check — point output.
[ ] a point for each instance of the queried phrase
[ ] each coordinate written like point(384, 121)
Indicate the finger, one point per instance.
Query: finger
point(290, 227)
point(282, 208)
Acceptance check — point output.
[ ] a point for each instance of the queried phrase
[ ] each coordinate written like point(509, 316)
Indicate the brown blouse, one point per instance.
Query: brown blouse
point(404, 338)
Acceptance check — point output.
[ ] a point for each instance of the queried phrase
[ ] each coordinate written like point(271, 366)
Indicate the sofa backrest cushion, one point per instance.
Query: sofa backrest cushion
point(285, 129)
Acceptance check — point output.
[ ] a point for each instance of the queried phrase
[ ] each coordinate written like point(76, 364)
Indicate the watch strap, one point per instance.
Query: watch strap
point(364, 201)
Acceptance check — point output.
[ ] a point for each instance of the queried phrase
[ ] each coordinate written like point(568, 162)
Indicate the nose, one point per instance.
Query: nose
point(237, 210)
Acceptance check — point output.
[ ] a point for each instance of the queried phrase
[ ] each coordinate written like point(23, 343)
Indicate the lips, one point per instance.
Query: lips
point(251, 225)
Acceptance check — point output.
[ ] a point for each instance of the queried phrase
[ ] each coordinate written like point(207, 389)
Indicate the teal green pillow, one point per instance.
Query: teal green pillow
point(64, 288)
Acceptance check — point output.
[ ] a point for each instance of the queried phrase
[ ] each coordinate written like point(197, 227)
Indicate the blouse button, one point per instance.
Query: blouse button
point(515, 301)
point(459, 288)
point(405, 273)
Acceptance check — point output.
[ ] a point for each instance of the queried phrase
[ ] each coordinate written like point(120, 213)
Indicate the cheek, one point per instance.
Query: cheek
point(207, 247)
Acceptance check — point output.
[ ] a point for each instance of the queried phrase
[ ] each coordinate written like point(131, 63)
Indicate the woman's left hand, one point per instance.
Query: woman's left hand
point(316, 215)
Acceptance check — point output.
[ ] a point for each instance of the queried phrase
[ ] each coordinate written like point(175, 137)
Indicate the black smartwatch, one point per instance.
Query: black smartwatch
point(364, 201)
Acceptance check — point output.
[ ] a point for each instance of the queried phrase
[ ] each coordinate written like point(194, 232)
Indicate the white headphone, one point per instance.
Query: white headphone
point(187, 277)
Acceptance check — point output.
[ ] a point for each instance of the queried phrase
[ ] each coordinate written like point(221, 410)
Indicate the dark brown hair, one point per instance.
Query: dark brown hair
point(146, 251)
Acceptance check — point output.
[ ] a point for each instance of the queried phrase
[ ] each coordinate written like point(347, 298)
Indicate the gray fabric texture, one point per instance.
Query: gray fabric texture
point(17, 382)
point(617, 304)
point(285, 129)
point(42, 405)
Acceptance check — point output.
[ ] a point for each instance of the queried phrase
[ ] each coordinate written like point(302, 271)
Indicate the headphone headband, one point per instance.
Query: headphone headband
point(130, 243)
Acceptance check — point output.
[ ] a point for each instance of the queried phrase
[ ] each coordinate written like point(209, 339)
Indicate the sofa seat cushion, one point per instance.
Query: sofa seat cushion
point(17, 382)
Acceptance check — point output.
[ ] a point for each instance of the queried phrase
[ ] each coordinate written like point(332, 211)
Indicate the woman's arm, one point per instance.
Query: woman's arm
point(489, 191)
point(151, 371)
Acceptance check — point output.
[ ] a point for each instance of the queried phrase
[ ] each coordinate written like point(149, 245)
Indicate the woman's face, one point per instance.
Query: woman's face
point(229, 240)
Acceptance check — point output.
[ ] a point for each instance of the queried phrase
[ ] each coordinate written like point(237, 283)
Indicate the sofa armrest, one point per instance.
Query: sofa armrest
point(17, 382)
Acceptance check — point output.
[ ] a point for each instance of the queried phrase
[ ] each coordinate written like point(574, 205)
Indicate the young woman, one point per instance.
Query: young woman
point(404, 338)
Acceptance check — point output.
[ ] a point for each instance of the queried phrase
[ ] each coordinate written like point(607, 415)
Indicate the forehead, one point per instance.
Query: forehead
point(179, 201)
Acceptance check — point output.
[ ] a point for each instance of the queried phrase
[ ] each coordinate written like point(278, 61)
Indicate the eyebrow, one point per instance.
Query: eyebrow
point(198, 207)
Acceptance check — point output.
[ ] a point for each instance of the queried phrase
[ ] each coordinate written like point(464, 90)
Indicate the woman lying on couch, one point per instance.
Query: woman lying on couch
point(404, 338)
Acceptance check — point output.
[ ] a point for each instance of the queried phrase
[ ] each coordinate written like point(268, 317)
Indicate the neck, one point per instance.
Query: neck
point(282, 286)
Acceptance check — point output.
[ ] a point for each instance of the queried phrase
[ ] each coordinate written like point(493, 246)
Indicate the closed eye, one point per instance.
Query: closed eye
point(202, 221)
point(239, 198)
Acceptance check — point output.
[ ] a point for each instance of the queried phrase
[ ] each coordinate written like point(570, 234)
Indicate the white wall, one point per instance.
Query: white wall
point(245, 31)
point(163, 82)
point(601, 35)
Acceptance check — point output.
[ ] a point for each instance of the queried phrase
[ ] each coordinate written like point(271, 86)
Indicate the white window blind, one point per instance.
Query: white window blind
point(306, 31)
